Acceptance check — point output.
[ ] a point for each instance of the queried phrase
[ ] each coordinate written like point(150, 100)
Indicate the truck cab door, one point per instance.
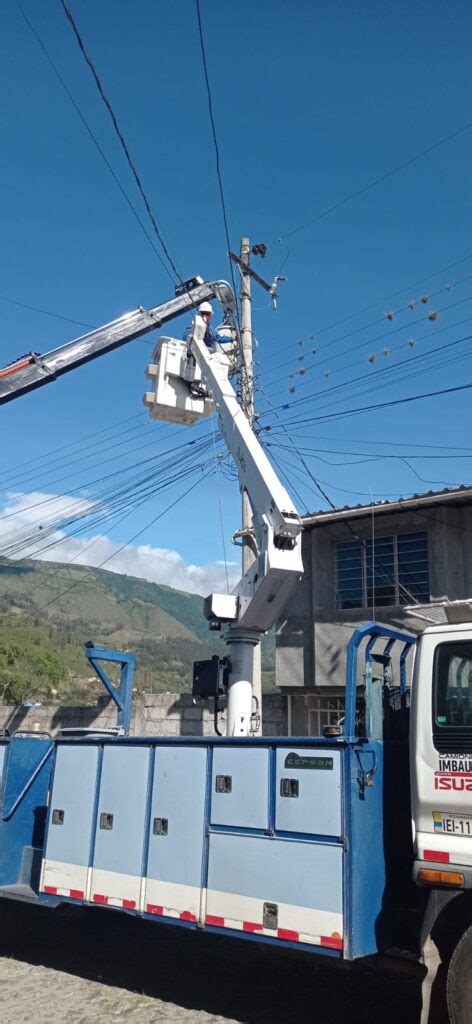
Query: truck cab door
point(441, 746)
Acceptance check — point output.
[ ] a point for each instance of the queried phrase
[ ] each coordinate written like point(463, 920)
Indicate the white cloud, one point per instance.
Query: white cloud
point(34, 528)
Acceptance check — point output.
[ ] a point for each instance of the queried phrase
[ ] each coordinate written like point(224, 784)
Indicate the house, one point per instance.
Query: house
point(365, 562)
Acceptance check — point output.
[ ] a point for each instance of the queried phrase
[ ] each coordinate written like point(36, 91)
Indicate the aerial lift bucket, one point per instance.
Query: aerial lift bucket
point(179, 394)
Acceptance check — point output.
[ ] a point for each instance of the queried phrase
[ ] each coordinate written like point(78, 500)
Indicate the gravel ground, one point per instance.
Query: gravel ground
point(69, 966)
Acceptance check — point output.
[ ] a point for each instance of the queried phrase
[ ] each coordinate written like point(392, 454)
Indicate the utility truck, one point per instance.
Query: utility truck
point(347, 845)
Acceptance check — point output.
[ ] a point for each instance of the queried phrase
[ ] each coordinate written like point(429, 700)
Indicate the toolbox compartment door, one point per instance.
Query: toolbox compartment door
point(176, 833)
point(66, 861)
point(282, 888)
point(308, 791)
point(120, 826)
point(240, 787)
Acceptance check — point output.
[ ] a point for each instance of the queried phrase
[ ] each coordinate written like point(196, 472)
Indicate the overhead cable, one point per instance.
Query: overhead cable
point(215, 140)
point(120, 137)
point(45, 312)
point(431, 317)
point(383, 405)
point(97, 145)
point(374, 183)
point(71, 444)
point(124, 545)
point(391, 295)
point(384, 371)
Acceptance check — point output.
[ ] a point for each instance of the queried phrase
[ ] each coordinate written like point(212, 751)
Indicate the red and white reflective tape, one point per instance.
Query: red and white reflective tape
point(181, 915)
point(329, 941)
point(113, 901)
point(73, 894)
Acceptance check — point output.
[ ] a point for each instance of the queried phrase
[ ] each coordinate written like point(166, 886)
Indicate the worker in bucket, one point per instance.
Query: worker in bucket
point(212, 338)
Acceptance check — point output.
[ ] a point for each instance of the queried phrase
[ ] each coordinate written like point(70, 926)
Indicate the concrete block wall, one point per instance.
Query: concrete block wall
point(164, 714)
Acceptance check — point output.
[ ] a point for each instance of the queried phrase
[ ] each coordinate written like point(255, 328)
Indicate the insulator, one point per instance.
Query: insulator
point(411, 342)
point(433, 316)
point(372, 358)
point(425, 299)
point(390, 316)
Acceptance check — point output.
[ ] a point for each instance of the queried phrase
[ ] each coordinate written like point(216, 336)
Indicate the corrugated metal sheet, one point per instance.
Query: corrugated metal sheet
point(448, 495)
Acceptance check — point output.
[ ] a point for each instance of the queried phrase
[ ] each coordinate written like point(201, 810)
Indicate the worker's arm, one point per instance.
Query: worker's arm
point(221, 339)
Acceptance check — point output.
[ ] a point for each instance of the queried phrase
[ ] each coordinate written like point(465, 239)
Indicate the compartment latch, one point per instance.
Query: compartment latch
point(289, 787)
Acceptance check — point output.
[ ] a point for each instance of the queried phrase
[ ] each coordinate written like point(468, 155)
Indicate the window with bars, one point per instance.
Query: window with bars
point(392, 571)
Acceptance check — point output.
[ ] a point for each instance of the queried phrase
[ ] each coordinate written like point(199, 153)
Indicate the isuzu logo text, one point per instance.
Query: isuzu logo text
point(455, 773)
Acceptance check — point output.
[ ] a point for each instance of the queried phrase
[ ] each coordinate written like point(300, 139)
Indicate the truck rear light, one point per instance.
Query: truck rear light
point(434, 877)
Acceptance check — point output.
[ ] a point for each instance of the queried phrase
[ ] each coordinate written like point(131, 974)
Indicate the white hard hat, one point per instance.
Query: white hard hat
point(205, 307)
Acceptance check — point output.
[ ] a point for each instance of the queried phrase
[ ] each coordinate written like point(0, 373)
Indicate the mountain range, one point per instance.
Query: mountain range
point(48, 610)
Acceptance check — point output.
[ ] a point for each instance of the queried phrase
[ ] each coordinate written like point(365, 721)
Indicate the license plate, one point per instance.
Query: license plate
point(453, 824)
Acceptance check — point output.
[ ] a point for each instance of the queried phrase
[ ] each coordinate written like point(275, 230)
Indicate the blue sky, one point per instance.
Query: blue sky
point(312, 101)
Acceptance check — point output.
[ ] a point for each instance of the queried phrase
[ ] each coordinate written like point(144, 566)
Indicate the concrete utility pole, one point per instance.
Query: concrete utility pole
point(247, 398)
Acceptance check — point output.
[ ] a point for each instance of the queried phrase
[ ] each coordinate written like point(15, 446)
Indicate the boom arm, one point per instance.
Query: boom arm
point(32, 371)
point(263, 591)
point(181, 373)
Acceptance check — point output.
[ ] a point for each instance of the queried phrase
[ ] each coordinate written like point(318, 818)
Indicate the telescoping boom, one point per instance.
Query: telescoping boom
point(32, 370)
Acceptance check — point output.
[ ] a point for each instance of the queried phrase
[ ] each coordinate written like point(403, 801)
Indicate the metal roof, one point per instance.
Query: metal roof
point(448, 496)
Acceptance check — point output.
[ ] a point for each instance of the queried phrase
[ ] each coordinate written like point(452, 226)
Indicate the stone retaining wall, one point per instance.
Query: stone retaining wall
point(164, 714)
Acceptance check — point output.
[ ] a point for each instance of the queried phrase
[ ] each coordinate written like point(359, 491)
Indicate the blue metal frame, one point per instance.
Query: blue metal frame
point(122, 694)
point(373, 631)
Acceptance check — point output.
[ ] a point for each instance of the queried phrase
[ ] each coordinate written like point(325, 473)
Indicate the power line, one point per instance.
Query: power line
point(394, 377)
point(432, 316)
point(120, 136)
point(365, 327)
point(382, 405)
point(117, 473)
point(320, 489)
point(129, 501)
point(373, 375)
point(369, 457)
point(86, 437)
point(122, 546)
point(393, 444)
point(106, 503)
point(308, 470)
point(97, 145)
point(392, 295)
point(374, 183)
point(45, 312)
point(215, 140)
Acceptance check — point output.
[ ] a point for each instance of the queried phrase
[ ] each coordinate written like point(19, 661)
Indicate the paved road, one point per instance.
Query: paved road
point(71, 967)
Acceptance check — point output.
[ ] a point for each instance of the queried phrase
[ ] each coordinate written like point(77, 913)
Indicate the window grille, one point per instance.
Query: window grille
point(324, 711)
point(393, 571)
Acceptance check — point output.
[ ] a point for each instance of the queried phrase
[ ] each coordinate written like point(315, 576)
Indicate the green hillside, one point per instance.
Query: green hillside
point(42, 634)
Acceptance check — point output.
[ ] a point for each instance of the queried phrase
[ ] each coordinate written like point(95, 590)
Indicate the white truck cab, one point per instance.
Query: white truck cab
point(441, 748)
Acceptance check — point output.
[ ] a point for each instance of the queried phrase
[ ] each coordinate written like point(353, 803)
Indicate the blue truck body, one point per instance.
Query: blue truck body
point(274, 840)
